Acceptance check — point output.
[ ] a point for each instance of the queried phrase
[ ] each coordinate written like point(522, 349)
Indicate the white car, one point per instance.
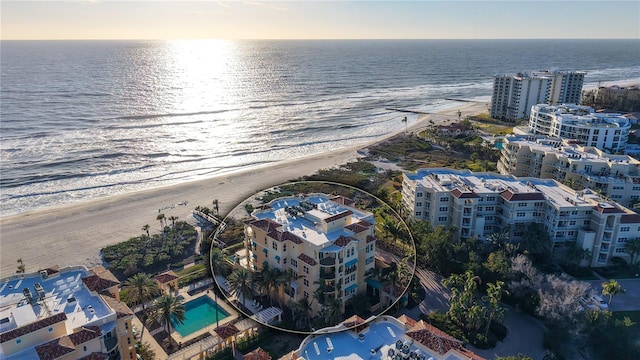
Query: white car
point(584, 303)
point(597, 300)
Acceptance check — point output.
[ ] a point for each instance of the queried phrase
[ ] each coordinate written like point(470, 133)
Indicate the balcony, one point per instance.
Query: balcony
point(328, 276)
point(328, 261)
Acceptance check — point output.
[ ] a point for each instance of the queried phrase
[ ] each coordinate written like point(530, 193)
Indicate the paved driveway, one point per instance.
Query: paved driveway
point(629, 301)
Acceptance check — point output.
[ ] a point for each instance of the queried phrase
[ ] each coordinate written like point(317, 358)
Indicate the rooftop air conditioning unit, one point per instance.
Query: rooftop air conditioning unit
point(44, 274)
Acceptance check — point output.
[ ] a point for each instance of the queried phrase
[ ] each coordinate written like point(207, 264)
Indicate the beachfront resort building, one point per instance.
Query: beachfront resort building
point(580, 167)
point(325, 240)
point(480, 204)
point(385, 337)
point(513, 95)
point(69, 313)
point(606, 131)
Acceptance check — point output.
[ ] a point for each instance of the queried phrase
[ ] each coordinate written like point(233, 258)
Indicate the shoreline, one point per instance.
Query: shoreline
point(73, 234)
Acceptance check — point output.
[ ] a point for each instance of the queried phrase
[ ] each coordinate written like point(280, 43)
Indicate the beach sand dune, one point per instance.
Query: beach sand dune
point(74, 234)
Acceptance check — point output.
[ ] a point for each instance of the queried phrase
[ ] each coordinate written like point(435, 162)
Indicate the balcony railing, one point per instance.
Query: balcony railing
point(328, 261)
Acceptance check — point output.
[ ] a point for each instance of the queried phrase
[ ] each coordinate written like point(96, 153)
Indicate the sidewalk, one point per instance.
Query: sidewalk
point(147, 338)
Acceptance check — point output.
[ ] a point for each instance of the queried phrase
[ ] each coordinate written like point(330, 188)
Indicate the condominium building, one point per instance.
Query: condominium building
point(69, 313)
point(479, 204)
point(321, 238)
point(384, 337)
point(615, 176)
point(513, 95)
point(607, 131)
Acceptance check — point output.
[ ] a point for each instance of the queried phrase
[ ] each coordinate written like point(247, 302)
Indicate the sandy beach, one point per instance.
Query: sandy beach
point(74, 234)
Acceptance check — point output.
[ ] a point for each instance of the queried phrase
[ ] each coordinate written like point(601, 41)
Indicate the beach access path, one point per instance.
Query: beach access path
point(74, 234)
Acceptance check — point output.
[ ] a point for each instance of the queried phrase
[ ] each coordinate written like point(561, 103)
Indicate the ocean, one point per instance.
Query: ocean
point(86, 119)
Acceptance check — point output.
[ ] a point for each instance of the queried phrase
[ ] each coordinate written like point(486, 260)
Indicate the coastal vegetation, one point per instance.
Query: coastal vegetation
point(153, 253)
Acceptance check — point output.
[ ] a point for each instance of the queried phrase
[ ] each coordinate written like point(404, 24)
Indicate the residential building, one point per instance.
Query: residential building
point(513, 95)
point(384, 337)
point(615, 176)
point(479, 204)
point(606, 131)
point(69, 313)
point(321, 238)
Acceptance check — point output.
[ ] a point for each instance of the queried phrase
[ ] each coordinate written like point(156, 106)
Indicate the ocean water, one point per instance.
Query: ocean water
point(86, 119)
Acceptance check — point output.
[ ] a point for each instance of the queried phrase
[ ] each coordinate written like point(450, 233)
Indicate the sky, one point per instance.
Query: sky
point(110, 19)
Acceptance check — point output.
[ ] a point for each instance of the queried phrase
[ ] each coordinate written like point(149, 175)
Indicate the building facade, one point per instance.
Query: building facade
point(480, 204)
point(606, 131)
point(321, 238)
point(69, 313)
point(580, 167)
point(513, 95)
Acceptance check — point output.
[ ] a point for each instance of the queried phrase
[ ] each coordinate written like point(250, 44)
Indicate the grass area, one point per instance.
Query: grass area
point(495, 129)
point(611, 272)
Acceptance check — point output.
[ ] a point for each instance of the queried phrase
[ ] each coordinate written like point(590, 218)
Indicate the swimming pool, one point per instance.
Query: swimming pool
point(199, 313)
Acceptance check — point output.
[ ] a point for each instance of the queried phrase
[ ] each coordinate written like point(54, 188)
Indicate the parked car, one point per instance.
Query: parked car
point(584, 303)
point(598, 301)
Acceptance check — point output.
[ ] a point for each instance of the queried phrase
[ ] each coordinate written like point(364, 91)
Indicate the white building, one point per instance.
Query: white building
point(615, 176)
point(607, 131)
point(479, 204)
point(513, 95)
point(70, 313)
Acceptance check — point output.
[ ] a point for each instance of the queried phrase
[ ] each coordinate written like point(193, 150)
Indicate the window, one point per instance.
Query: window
point(50, 329)
point(284, 261)
point(636, 188)
point(274, 245)
point(284, 247)
point(306, 294)
point(444, 208)
point(522, 204)
point(442, 218)
point(419, 194)
point(490, 208)
point(620, 251)
point(622, 240)
point(574, 212)
point(294, 262)
point(488, 227)
point(305, 269)
point(520, 214)
point(128, 342)
point(624, 228)
point(444, 199)
point(537, 204)
point(586, 222)
point(572, 222)
point(479, 208)
point(369, 260)
point(489, 218)
point(491, 198)
point(571, 233)
point(305, 282)
point(418, 213)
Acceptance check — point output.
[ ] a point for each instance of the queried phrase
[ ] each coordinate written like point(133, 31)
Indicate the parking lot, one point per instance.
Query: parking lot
point(629, 301)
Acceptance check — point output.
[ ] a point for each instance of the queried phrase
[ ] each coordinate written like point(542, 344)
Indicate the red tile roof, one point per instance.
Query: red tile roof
point(342, 241)
point(97, 283)
point(121, 309)
point(630, 219)
point(464, 195)
point(55, 349)
point(607, 209)
point(87, 333)
point(166, 277)
point(407, 320)
point(342, 200)
point(29, 328)
point(371, 239)
point(356, 228)
point(511, 196)
point(287, 236)
point(308, 259)
point(338, 216)
point(437, 340)
point(226, 331)
point(257, 354)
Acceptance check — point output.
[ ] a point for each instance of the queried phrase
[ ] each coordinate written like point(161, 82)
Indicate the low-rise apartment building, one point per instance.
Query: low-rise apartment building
point(321, 238)
point(479, 204)
point(615, 176)
point(606, 131)
point(69, 313)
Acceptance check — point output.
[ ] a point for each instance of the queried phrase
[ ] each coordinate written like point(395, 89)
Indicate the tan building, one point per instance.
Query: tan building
point(615, 176)
point(320, 238)
point(69, 313)
point(167, 281)
point(480, 204)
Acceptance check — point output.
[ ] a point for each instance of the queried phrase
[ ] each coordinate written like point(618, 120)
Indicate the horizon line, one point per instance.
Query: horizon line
point(307, 39)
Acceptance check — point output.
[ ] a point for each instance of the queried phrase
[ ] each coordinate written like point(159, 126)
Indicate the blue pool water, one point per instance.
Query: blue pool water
point(199, 314)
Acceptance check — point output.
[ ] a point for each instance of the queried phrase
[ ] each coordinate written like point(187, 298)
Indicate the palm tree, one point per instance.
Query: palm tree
point(142, 288)
point(632, 247)
point(320, 294)
point(215, 206)
point(160, 218)
point(334, 311)
point(146, 229)
point(302, 310)
point(494, 293)
point(240, 283)
point(611, 288)
point(166, 308)
point(21, 267)
point(219, 263)
point(173, 221)
point(404, 120)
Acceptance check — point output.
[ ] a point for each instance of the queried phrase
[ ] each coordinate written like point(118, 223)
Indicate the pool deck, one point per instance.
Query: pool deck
point(233, 315)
